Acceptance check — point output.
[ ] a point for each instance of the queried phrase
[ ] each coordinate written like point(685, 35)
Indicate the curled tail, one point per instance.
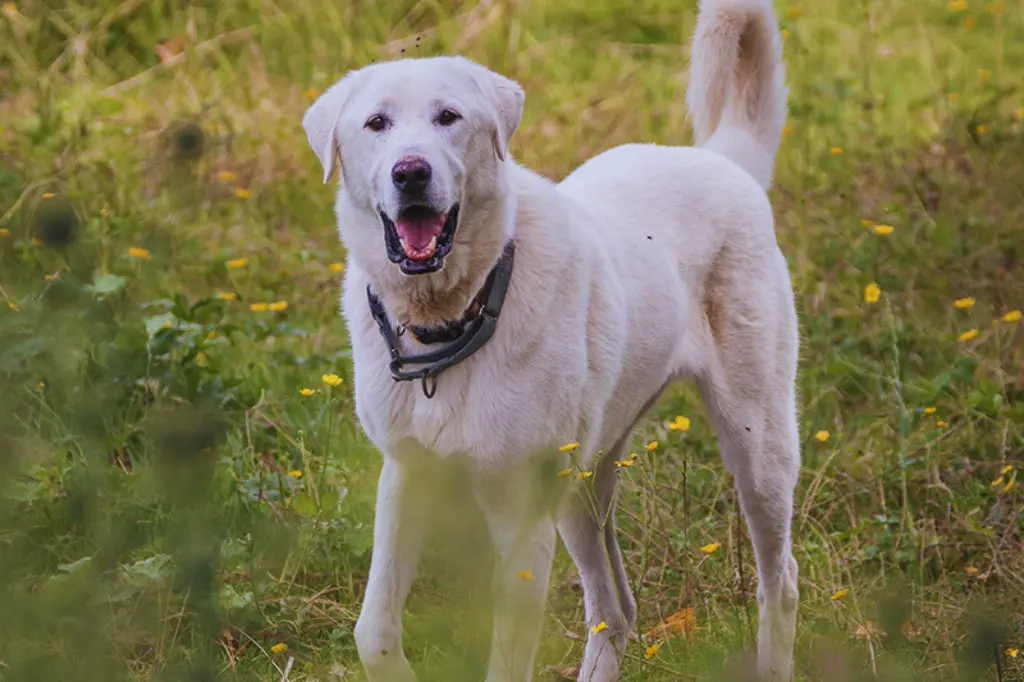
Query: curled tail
point(737, 93)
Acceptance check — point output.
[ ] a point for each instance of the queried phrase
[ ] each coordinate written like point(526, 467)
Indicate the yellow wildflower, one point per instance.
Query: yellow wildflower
point(13, 306)
point(1006, 469)
point(652, 651)
point(584, 474)
point(652, 446)
point(306, 392)
point(957, 5)
point(884, 230)
point(569, 447)
point(929, 410)
point(942, 424)
point(242, 193)
point(969, 334)
point(226, 176)
point(337, 267)
point(836, 151)
point(840, 594)
point(970, 570)
point(1012, 316)
point(710, 548)
point(49, 195)
point(295, 473)
point(565, 473)
point(626, 462)
point(599, 627)
point(964, 303)
point(237, 263)
point(998, 482)
point(1013, 653)
point(139, 252)
point(1009, 485)
point(227, 295)
point(278, 306)
point(680, 423)
point(822, 435)
point(872, 293)
point(258, 307)
point(331, 379)
point(525, 574)
point(279, 648)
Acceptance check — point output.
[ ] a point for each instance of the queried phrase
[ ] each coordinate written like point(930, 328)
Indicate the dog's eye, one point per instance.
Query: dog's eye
point(447, 117)
point(377, 123)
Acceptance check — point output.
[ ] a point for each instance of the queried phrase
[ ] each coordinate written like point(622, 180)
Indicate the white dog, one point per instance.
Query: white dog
point(544, 314)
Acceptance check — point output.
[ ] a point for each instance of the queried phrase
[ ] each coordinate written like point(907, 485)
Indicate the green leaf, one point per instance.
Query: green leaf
point(104, 283)
point(304, 504)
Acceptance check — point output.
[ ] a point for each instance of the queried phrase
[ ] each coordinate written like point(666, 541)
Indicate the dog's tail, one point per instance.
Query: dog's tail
point(737, 94)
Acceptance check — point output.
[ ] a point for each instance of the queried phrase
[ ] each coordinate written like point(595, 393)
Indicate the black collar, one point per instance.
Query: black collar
point(465, 336)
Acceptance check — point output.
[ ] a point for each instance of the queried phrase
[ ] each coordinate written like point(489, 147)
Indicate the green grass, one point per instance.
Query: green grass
point(149, 529)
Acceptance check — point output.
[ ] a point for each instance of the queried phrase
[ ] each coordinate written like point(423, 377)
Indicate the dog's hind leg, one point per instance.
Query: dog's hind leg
point(399, 531)
point(749, 389)
point(522, 528)
point(587, 529)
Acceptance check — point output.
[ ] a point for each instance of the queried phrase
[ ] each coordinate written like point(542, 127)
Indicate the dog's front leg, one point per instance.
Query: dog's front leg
point(522, 528)
point(398, 535)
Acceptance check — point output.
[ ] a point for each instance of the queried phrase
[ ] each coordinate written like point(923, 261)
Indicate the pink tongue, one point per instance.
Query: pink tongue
point(418, 233)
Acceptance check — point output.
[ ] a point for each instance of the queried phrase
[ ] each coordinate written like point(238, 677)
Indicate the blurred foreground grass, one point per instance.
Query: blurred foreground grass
point(183, 497)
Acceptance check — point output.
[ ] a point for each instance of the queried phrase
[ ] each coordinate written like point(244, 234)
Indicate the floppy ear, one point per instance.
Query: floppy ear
point(505, 98)
point(321, 121)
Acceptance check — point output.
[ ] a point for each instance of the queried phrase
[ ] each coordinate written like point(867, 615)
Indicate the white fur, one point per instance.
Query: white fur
point(647, 264)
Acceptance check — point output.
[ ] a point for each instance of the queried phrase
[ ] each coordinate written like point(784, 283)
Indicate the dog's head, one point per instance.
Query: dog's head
point(419, 141)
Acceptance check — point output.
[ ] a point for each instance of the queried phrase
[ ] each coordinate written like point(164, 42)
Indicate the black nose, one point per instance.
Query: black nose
point(411, 175)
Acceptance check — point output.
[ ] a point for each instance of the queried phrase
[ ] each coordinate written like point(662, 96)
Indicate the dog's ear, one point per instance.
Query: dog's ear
point(321, 121)
point(506, 98)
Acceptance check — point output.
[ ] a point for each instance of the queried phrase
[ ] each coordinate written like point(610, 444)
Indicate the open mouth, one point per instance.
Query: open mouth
point(419, 238)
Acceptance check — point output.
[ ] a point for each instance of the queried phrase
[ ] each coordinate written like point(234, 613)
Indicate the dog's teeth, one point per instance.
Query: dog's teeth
point(406, 247)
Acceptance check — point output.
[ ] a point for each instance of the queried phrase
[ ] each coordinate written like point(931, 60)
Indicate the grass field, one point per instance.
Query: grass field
point(172, 507)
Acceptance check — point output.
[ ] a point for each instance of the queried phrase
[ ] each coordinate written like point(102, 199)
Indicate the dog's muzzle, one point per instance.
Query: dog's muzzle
point(419, 238)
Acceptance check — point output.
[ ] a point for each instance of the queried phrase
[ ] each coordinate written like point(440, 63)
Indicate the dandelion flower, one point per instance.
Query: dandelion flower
point(242, 193)
point(964, 303)
point(884, 230)
point(680, 423)
point(840, 594)
point(569, 447)
point(584, 474)
point(565, 473)
point(295, 473)
point(258, 307)
point(237, 263)
point(331, 379)
point(969, 334)
point(279, 648)
point(652, 446)
point(1013, 653)
point(227, 295)
point(942, 424)
point(1012, 316)
point(139, 252)
point(929, 410)
point(822, 435)
point(306, 392)
point(652, 651)
point(226, 176)
point(337, 267)
point(626, 462)
point(600, 627)
point(872, 293)
point(525, 574)
point(710, 548)
point(836, 151)
point(278, 306)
